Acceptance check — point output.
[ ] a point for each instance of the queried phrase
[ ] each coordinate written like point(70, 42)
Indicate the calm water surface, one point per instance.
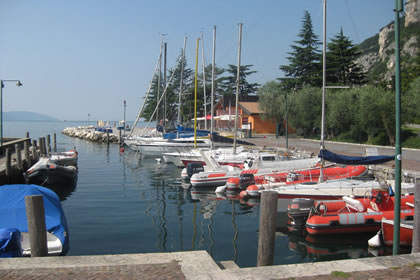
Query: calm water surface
point(125, 204)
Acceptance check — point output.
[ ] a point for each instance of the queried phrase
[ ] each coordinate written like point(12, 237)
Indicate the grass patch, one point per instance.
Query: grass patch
point(340, 274)
point(414, 265)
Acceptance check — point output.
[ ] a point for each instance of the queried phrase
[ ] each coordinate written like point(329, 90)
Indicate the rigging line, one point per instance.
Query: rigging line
point(147, 94)
point(352, 22)
point(163, 94)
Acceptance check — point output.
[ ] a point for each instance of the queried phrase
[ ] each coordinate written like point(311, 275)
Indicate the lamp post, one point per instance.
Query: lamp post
point(88, 119)
point(19, 84)
point(124, 117)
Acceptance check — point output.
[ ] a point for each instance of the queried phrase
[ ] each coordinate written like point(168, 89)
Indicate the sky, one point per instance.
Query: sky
point(80, 59)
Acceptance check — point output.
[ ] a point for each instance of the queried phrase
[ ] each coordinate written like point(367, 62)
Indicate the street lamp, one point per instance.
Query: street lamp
point(19, 84)
point(125, 104)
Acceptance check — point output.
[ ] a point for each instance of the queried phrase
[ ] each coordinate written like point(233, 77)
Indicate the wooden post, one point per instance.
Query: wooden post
point(44, 146)
point(40, 145)
point(416, 228)
point(267, 228)
point(107, 136)
point(18, 150)
point(27, 157)
point(55, 142)
point(34, 151)
point(49, 143)
point(8, 162)
point(35, 214)
point(27, 134)
point(120, 138)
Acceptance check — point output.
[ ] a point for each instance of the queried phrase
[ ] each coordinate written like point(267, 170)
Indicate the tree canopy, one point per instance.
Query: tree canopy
point(304, 68)
point(341, 66)
point(228, 83)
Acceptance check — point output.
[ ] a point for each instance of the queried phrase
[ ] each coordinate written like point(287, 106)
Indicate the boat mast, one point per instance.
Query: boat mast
point(204, 81)
point(195, 94)
point(237, 87)
point(324, 50)
point(212, 82)
point(181, 80)
point(158, 89)
point(164, 85)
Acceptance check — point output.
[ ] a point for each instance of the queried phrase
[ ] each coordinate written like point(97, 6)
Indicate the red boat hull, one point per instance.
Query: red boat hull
point(406, 233)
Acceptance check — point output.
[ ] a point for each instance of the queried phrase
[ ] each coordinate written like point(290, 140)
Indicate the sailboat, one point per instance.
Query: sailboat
point(337, 188)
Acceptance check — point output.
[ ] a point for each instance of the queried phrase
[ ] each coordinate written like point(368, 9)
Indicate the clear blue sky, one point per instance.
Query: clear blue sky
point(80, 57)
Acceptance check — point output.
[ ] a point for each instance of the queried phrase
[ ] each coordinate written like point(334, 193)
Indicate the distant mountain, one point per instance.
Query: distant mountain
point(26, 116)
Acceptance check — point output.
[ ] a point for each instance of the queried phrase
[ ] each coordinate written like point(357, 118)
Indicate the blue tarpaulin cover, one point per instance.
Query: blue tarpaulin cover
point(13, 211)
point(333, 157)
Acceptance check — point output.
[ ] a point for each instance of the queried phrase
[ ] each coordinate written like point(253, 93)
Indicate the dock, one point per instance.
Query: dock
point(18, 154)
point(199, 265)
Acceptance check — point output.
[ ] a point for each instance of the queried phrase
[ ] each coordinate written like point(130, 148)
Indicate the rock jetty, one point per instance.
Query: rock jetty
point(89, 133)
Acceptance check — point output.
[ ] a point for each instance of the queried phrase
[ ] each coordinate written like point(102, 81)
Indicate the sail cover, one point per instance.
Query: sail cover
point(333, 157)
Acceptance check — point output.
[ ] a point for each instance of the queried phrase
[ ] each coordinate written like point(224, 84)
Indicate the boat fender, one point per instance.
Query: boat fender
point(243, 195)
point(291, 176)
point(321, 208)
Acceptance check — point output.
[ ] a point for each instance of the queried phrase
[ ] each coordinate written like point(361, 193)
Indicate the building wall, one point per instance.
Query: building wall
point(261, 126)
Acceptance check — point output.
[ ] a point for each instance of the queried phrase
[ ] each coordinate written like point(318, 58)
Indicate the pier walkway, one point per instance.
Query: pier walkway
point(199, 265)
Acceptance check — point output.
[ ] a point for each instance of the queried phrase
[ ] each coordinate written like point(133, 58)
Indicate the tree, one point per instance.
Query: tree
point(228, 83)
point(341, 66)
point(272, 101)
point(304, 67)
point(305, 110)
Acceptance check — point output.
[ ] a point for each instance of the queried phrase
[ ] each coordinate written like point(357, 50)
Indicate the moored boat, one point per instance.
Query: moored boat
point(385, 235)
point(46, 173)
point(13, 215)
point(357, 215)
point(64, 158)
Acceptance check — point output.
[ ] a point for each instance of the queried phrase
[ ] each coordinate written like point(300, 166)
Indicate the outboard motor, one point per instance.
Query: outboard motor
point(246, 180)
point(194, 167)
point(299, 210)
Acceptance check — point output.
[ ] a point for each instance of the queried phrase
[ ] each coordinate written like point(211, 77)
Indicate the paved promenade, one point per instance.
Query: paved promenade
point(199, 265)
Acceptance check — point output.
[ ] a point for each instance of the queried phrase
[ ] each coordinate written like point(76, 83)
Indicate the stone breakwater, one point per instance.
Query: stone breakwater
point(90, 134)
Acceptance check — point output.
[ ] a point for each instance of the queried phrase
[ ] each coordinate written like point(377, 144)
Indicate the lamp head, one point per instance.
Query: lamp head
point(19, 84)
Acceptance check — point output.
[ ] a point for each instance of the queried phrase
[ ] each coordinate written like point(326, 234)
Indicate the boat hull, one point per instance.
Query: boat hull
point(406, 232)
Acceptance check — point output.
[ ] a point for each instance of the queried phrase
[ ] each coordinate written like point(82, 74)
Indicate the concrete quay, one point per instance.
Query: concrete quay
point(199, 265)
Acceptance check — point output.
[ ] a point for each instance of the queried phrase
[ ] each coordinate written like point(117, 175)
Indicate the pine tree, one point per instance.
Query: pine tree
point(228, 83)
point(341, 66)
point(304, 68)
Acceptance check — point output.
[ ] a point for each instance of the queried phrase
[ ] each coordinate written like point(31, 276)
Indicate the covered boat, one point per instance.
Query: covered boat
point(13, 215)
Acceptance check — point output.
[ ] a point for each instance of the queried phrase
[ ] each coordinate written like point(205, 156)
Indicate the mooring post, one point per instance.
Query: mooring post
point(120, 138)
point(107, 136)
point(40, 145)
point(44, 146)
point(416, 228)
point(267, 228)
point(27, 156)
point(27, 134)
point(34, 151)
point(55, 142)
point(49, 143)
point(18, 150)
point(35, 214)
point(8, 162)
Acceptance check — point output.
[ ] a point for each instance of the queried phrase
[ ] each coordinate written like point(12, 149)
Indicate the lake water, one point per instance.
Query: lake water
point(125, 204)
